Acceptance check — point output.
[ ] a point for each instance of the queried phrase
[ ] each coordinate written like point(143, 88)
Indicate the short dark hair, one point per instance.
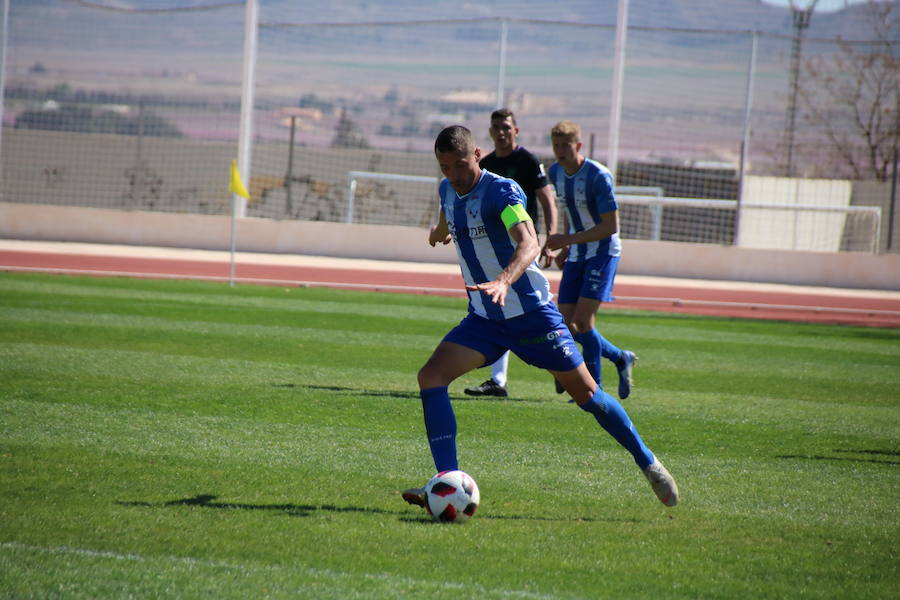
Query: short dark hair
point(455, 138)
point(503, 113)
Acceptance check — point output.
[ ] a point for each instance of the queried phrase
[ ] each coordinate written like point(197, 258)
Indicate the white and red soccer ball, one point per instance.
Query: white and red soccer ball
point(452, 496)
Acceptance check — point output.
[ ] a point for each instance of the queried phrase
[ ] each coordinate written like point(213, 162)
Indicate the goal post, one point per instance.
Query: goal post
point(354, 176)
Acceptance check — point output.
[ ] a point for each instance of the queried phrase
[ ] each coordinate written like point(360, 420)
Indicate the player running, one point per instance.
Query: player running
point(590, 250)
point(510, 308)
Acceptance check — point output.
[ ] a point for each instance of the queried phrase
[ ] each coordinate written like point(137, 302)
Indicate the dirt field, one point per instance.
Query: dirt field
point(727, 299)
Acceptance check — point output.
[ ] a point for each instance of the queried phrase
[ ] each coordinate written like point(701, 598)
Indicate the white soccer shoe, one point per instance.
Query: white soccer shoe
point(662, 482)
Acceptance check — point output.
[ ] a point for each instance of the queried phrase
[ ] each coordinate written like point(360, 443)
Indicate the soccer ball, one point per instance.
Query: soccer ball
point(451, 496)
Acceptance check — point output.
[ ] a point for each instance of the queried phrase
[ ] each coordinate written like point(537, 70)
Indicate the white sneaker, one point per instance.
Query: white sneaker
point(662, 482)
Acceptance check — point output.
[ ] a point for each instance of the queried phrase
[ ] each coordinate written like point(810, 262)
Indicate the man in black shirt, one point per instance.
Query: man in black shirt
point(511, 160)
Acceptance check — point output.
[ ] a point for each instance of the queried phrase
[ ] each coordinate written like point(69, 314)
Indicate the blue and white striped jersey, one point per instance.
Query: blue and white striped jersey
point(586, 195)
point(485, 247)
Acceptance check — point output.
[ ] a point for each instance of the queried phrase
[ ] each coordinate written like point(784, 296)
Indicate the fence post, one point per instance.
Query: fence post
point(612, 161)
point(501, 67)
point(745, 140)
point(4, 35)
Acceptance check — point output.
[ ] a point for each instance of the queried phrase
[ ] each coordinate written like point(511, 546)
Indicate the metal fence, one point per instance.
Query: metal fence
point(142, 110)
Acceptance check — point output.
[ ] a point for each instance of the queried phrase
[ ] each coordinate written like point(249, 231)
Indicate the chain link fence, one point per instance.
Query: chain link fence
point(140, 110)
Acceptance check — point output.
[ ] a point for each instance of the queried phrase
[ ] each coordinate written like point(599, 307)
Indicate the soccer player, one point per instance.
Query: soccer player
point(511, 160)
point(589, 252)
point(509, 309)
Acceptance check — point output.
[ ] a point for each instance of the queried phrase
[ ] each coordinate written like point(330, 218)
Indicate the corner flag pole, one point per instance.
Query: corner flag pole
point(238, 200)
point(238, 193)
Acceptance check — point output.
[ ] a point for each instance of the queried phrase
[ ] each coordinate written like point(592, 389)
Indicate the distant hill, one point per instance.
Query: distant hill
point(28, 17)
point(695, 14)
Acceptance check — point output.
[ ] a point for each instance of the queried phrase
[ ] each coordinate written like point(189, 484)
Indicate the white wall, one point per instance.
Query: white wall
point(381, 242)
point(793, 230)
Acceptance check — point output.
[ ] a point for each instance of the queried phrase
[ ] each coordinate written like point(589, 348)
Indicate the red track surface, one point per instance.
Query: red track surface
point(875, 309)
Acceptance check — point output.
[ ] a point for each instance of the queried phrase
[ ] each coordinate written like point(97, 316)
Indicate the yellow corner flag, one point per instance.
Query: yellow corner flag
point(237, 186)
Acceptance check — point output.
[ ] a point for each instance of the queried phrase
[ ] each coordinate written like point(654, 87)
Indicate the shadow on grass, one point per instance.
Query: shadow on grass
point(850, 458)
point(382, 393)
point(304, 510)
point(294, 510)
point(348, 390)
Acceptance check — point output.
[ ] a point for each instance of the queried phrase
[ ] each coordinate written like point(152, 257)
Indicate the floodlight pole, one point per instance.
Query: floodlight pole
point(801, 17)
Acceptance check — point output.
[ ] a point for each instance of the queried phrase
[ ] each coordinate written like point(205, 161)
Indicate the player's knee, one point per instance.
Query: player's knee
point(430, 377)
point(580, 325)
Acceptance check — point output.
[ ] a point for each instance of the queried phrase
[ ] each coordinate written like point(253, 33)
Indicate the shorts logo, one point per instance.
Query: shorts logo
point(541, 339)
point(565, 347)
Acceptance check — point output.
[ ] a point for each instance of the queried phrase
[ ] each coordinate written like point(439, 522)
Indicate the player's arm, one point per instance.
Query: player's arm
point(521, 229)
point(547, 199)
point(563, 253)
point(440, 232)
point(608, 225)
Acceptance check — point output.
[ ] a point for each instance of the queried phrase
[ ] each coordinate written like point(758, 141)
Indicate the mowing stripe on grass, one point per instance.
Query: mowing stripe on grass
point(392, 581)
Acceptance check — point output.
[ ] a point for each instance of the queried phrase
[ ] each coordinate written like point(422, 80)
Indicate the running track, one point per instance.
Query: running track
point(724, 299)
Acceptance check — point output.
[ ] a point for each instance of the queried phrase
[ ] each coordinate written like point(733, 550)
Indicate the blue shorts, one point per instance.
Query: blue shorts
point(592, 279)
point(539, 337)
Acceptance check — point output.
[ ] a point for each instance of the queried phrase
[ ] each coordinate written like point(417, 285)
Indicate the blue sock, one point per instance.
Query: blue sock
point(590, 349)
point(609, 351)
point(440, 426)
point(613, 418)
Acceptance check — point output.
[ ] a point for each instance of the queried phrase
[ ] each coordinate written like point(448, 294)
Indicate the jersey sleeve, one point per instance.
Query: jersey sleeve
point(603, 195)
point(511, 203)
point(537, 174)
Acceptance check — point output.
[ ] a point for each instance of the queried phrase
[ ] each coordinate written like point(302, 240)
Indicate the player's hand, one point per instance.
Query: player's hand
point(556, 241)
point(495, 289)
point(560, 258)
point(434, 237)
point(547, 257)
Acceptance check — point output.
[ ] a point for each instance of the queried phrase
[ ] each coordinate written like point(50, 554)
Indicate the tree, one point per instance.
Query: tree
point(86, 120)
point(853, 98)
point(347, 134)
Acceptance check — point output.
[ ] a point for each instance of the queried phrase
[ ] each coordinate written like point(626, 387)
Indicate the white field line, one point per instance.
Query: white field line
point(311, 571)
point(457, 291)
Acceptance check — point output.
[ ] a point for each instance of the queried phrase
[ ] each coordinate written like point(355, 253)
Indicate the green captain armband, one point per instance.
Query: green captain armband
point(514, 213)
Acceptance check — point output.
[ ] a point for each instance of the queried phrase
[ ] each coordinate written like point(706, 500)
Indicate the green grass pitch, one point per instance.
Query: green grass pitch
point(186, 439)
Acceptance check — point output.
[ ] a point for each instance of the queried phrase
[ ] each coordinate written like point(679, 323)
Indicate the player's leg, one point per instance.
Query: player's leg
point(582, 324)
point(449, 361)
point(613, 418)
point(548, 344)
point(569, 291)
point(600, 274)
point(471, 344)
point(608, 412)
point(499, 369)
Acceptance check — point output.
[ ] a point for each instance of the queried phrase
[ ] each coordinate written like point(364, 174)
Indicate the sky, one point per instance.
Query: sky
point(821, 6)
